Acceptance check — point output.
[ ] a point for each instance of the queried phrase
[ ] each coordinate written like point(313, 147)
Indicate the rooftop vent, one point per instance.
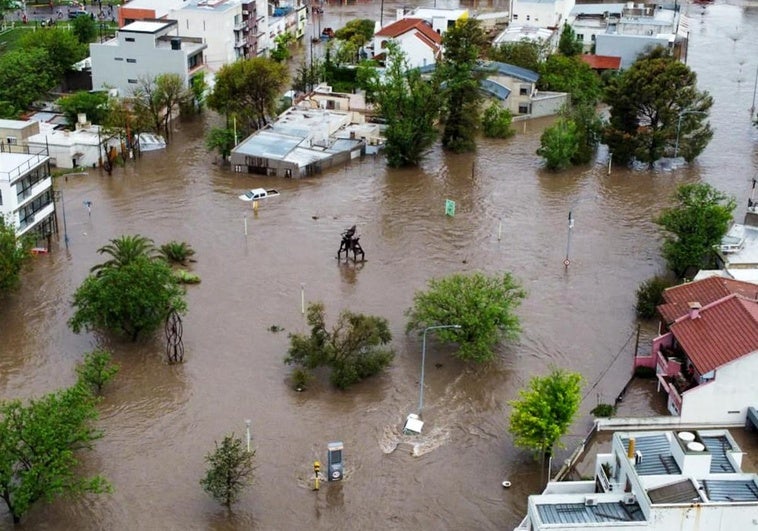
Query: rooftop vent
point(686, 436)
point(590, 501)
point(695, 446)
point(176, 43)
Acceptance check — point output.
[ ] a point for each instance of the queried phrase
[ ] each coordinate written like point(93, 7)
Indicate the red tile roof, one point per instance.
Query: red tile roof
point(602, 62)
point(677, 299)
point(721, 333)
point(407, 24)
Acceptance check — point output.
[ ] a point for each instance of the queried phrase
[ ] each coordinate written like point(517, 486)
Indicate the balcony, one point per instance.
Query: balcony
point(34, 191)
point(669, 362)
point(38, 217)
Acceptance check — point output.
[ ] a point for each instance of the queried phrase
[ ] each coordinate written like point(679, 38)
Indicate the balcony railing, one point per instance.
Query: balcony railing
point(668, 365)
point(34, 191)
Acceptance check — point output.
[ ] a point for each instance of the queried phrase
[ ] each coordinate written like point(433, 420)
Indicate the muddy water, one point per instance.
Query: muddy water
point(160, 420)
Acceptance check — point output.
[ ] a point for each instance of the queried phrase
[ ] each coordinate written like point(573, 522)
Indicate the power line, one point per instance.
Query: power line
point(626, 343)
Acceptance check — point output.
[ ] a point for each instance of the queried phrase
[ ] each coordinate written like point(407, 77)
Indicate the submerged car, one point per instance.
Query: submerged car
point(258, 193)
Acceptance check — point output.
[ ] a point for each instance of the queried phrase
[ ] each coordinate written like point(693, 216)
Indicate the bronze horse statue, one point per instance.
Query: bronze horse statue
point(350, 242)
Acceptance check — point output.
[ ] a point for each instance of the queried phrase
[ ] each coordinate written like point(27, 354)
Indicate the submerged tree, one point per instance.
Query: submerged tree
point(353, 349)
point(230, 470)
point(695, 224)
point(545, 410)
point(14, 253)
point(657, 111)
point(483, 306)
point(496, 122)
point(38, 448)
point(409, 105)
point(248, 89)
point(459, 77)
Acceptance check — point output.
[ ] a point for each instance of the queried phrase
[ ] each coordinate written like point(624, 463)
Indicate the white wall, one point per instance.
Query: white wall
point(733, 389)
point(216, 28)
point(111, 68)
point(539, 14)
point(417, 52)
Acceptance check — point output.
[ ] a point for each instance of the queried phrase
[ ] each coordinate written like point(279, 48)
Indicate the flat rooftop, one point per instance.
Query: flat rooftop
point(147, 26)
point(748, 255)
point(579, 513)
point(14, 165)
point(14, 124)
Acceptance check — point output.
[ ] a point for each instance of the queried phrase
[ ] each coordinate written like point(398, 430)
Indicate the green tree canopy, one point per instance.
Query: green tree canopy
point(14, 253)
point(696, 222)
point(85, 29)
point(249, 89)
point(654, 103)
point(354, 348)
point(222, 140)
point(409, 105)
point(359, 30)
point(230, 470)
point(283, 42)
point(483, 306)
point(24, 76)
point(61, 47)
point(125, 250)
point(132, 299)
point(496, 122)
point(96, 370)
point(524, 53)
point(545, 410)
point(570, 74)
point(38, 445)
point(459, 76)
point(559, 144)
point(568, 44)
point(93, 104)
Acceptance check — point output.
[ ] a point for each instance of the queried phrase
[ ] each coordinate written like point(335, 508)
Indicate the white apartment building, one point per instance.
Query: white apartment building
point(686, 480)
point(145, 49)
point(26, 190)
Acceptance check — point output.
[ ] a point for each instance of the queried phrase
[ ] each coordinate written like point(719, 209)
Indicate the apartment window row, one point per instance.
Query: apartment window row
point(27, 213)
point(127, 60)
point(25, 185)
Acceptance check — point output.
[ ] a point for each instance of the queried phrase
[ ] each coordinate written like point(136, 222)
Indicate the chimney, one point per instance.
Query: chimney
point(630, 451)
point(694, 309)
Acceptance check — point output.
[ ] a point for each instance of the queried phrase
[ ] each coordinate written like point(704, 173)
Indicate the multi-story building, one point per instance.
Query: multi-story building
point(145, 49)
point(15, 132)
point(26, 190)
point(686, 480)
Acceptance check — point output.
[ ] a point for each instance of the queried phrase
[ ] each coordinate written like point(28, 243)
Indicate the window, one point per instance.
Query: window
point(527, 18)
point(131, 60)
point(129, 39)
point(27, 213)
point(523, 108)
point(12, 140)
point(523, 90)
point(24, 186)
point(515, 16)
point(580, 37)
point(132, 81)
point(1, 198)
point(118, 58)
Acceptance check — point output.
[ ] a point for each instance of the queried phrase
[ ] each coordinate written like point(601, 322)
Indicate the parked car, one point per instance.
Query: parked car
point(258, 193)
point(73, 13)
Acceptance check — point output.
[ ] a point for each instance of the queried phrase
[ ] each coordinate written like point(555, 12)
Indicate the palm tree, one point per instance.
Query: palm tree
point(177, 252)
point(125, 250)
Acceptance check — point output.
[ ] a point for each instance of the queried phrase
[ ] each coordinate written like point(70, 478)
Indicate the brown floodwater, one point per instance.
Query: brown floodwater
point(160, 420)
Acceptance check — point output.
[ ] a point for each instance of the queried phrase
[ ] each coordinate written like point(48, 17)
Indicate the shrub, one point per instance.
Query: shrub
point(650, 295)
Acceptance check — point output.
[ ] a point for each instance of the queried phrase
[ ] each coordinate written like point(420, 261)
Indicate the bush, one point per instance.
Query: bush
point(177, 252)
point(496, 122)
point(603, 410)
point(300, 379)
point(650, 295)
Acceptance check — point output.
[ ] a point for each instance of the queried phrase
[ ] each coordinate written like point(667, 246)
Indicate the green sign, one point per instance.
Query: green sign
point(449, 207)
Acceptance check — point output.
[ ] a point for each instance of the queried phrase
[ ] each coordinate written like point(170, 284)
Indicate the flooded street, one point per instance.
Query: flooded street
point(161, 420)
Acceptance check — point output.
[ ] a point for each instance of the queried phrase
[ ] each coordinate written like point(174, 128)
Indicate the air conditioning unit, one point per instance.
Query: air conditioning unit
point(629, 499)
point(637, 457)
point(590, 501)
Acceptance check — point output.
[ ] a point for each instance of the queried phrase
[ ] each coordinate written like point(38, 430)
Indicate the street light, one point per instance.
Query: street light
point(567, 260)
point(423, 359)
point(679, 125)
point(58, 194)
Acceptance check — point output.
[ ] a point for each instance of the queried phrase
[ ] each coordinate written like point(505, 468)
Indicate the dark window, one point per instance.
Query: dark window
point(524, 90)
point(1, 197)
point(129, 39)
point(131, 60)
point(132, 81)
point(25, 185)
point(119, 58)
point(27, 213)
point(523, 108)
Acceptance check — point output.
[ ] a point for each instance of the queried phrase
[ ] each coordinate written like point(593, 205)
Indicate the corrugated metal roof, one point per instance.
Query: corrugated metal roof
point(680, 492)
point(730, 490)
point(656, 455)
point(718, 446)
point(720, 334)
point(676, 299)
point(496, 89)
point(506, 69)
point(579, 513)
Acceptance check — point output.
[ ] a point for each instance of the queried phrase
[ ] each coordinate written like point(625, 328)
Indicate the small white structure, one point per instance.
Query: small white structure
point(540, 13)
point(145, 49)
point(72, 149)
point(15, 132)
point(26, 190)
point(438, 18)
point(654, 480)
point(415, 37)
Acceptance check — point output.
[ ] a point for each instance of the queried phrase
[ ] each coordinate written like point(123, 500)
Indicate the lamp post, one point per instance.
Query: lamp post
point(679, 126)
point(247, 434)
point(423, 359)
point(567, 260)
point(58, 194)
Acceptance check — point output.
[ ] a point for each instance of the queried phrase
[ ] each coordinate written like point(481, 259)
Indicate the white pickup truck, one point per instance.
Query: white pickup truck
point(258, 193)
